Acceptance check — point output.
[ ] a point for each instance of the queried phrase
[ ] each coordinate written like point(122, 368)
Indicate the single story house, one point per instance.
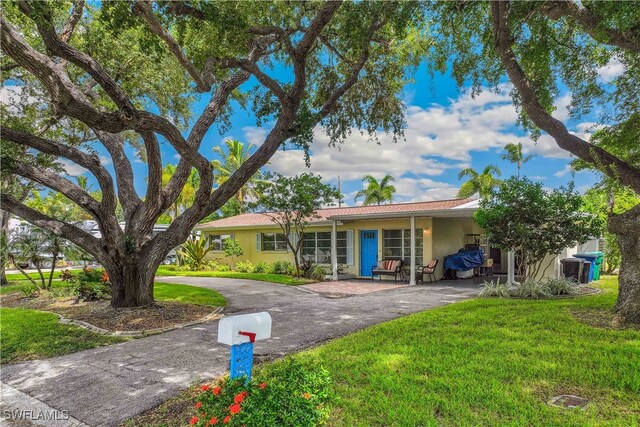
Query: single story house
point(357, 237)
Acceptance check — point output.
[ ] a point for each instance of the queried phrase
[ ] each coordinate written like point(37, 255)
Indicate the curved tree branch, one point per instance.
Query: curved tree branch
point(86, 160)
point(62, 186)
point(592, 24)
point(144, 9)
point(74, 18)
point(609, 164)
point(60, 228)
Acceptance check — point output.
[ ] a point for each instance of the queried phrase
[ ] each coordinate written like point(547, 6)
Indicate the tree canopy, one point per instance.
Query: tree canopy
point(110, 75)
point(522, 216)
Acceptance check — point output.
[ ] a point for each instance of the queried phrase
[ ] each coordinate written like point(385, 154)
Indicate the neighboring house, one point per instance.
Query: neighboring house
point(363, 234)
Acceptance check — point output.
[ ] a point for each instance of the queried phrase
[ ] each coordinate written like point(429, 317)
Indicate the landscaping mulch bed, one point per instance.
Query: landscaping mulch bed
point(101, 314)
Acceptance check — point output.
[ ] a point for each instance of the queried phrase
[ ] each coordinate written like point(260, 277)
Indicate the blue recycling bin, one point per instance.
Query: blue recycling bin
point(592, 258)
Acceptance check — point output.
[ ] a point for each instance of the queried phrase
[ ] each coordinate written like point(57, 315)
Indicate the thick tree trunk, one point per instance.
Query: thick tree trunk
point(4, 234)
point(627, 227)
point(132, 281)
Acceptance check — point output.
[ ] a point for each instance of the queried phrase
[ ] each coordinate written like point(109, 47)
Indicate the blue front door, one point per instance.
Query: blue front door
point(368, 251)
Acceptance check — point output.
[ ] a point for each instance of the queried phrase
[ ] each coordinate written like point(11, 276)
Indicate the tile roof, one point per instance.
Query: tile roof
point(259, 219)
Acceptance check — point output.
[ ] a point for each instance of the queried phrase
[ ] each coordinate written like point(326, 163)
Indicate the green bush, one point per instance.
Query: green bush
point(223, 267)
point(561, 286)
point(531, 289)
point(262, 267)
point(244, 267)
point(495, 289)
point(30, 291)
point(290, 394)
point(283, 267)
point(90, 291)
point(316, 273)
point(89, 275)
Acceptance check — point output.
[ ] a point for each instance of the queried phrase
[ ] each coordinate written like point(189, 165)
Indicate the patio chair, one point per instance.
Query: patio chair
point(429, 270)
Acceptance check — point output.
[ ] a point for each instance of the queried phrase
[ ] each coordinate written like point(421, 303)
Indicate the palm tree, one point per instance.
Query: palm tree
point(376, 192)
point(481, 183)
point(188, 193)
point(236, 154)
point(514, 155)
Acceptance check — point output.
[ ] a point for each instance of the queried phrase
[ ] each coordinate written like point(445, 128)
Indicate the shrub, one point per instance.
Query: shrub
point(316, 273)
point(495, 289)
point(90, 291)
point(244, 267)
point(90, 275)
point(223, 267)
point(289, 395)
point(561, 286)
point(30, 291)
point(262, 267)
point(283, 267)
point(61, 291)
point(531, 289)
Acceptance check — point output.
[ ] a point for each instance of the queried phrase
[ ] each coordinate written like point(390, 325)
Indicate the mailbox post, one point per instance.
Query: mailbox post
point(240, 332)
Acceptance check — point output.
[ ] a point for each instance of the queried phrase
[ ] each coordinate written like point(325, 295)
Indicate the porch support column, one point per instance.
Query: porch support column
point(334, 250)
point(412, 277)
point(511, 267)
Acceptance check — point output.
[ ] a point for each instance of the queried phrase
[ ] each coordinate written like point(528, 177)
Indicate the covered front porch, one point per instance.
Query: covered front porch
point(415, 237)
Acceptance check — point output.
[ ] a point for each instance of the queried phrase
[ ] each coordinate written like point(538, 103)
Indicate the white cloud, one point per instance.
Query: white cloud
point(609, 72)
point(72, 169)
point(437, 138)
point(567, 169)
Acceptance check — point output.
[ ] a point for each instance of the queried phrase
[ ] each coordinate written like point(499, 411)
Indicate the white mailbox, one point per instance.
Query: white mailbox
point(234, 330)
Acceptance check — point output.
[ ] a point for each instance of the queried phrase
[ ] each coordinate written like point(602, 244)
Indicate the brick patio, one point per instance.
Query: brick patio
point(353, 287)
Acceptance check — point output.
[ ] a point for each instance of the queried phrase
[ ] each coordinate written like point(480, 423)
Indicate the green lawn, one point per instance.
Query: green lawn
point(19, 276)
point(263, 277)
point(188, 294)
point(486, 362)
point(31, 334)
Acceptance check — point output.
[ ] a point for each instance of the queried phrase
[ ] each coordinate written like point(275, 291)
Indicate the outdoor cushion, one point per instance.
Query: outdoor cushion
point(381, 265)
point(393, 265)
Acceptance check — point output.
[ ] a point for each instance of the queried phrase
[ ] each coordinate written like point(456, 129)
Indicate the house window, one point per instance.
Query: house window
point(273, 242)
point(217, 240)
point(316, 247)
point(397, 244)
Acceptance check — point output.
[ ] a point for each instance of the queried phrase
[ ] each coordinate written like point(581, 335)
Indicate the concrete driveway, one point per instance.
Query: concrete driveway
point(104, 386)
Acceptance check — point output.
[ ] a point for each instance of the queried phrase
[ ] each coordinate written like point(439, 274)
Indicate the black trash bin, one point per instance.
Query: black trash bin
point(572, 268)
point(586, 272)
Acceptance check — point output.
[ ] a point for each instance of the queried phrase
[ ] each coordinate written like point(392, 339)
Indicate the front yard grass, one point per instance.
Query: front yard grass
point(486, 362)
point(32, 334)
point(489, 362)
point(188, 294)
point(262, 277)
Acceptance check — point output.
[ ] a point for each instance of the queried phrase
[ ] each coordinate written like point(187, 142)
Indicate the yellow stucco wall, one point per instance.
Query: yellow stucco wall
point(441, 237)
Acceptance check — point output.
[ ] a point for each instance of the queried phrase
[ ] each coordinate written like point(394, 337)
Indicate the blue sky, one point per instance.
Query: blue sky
point(446, 131)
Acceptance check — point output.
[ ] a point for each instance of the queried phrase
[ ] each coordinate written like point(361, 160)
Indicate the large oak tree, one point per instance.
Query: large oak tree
point(126, 72)
point(543, 48)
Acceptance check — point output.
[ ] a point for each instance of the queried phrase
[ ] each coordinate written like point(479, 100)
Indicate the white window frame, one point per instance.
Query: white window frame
point(348, 238)
point(404, 246)
point(222, 237)
point(276, 240)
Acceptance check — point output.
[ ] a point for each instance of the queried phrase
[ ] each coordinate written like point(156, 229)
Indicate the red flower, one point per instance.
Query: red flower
point(198, 405)
point(204, 387)
point(216, 390)
point(213, 421)
point(227, 419)
point(306, 395)
point(240, 397)
point(105, 277)
point(234, 409)
point(193, 420)
point(263, 386)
